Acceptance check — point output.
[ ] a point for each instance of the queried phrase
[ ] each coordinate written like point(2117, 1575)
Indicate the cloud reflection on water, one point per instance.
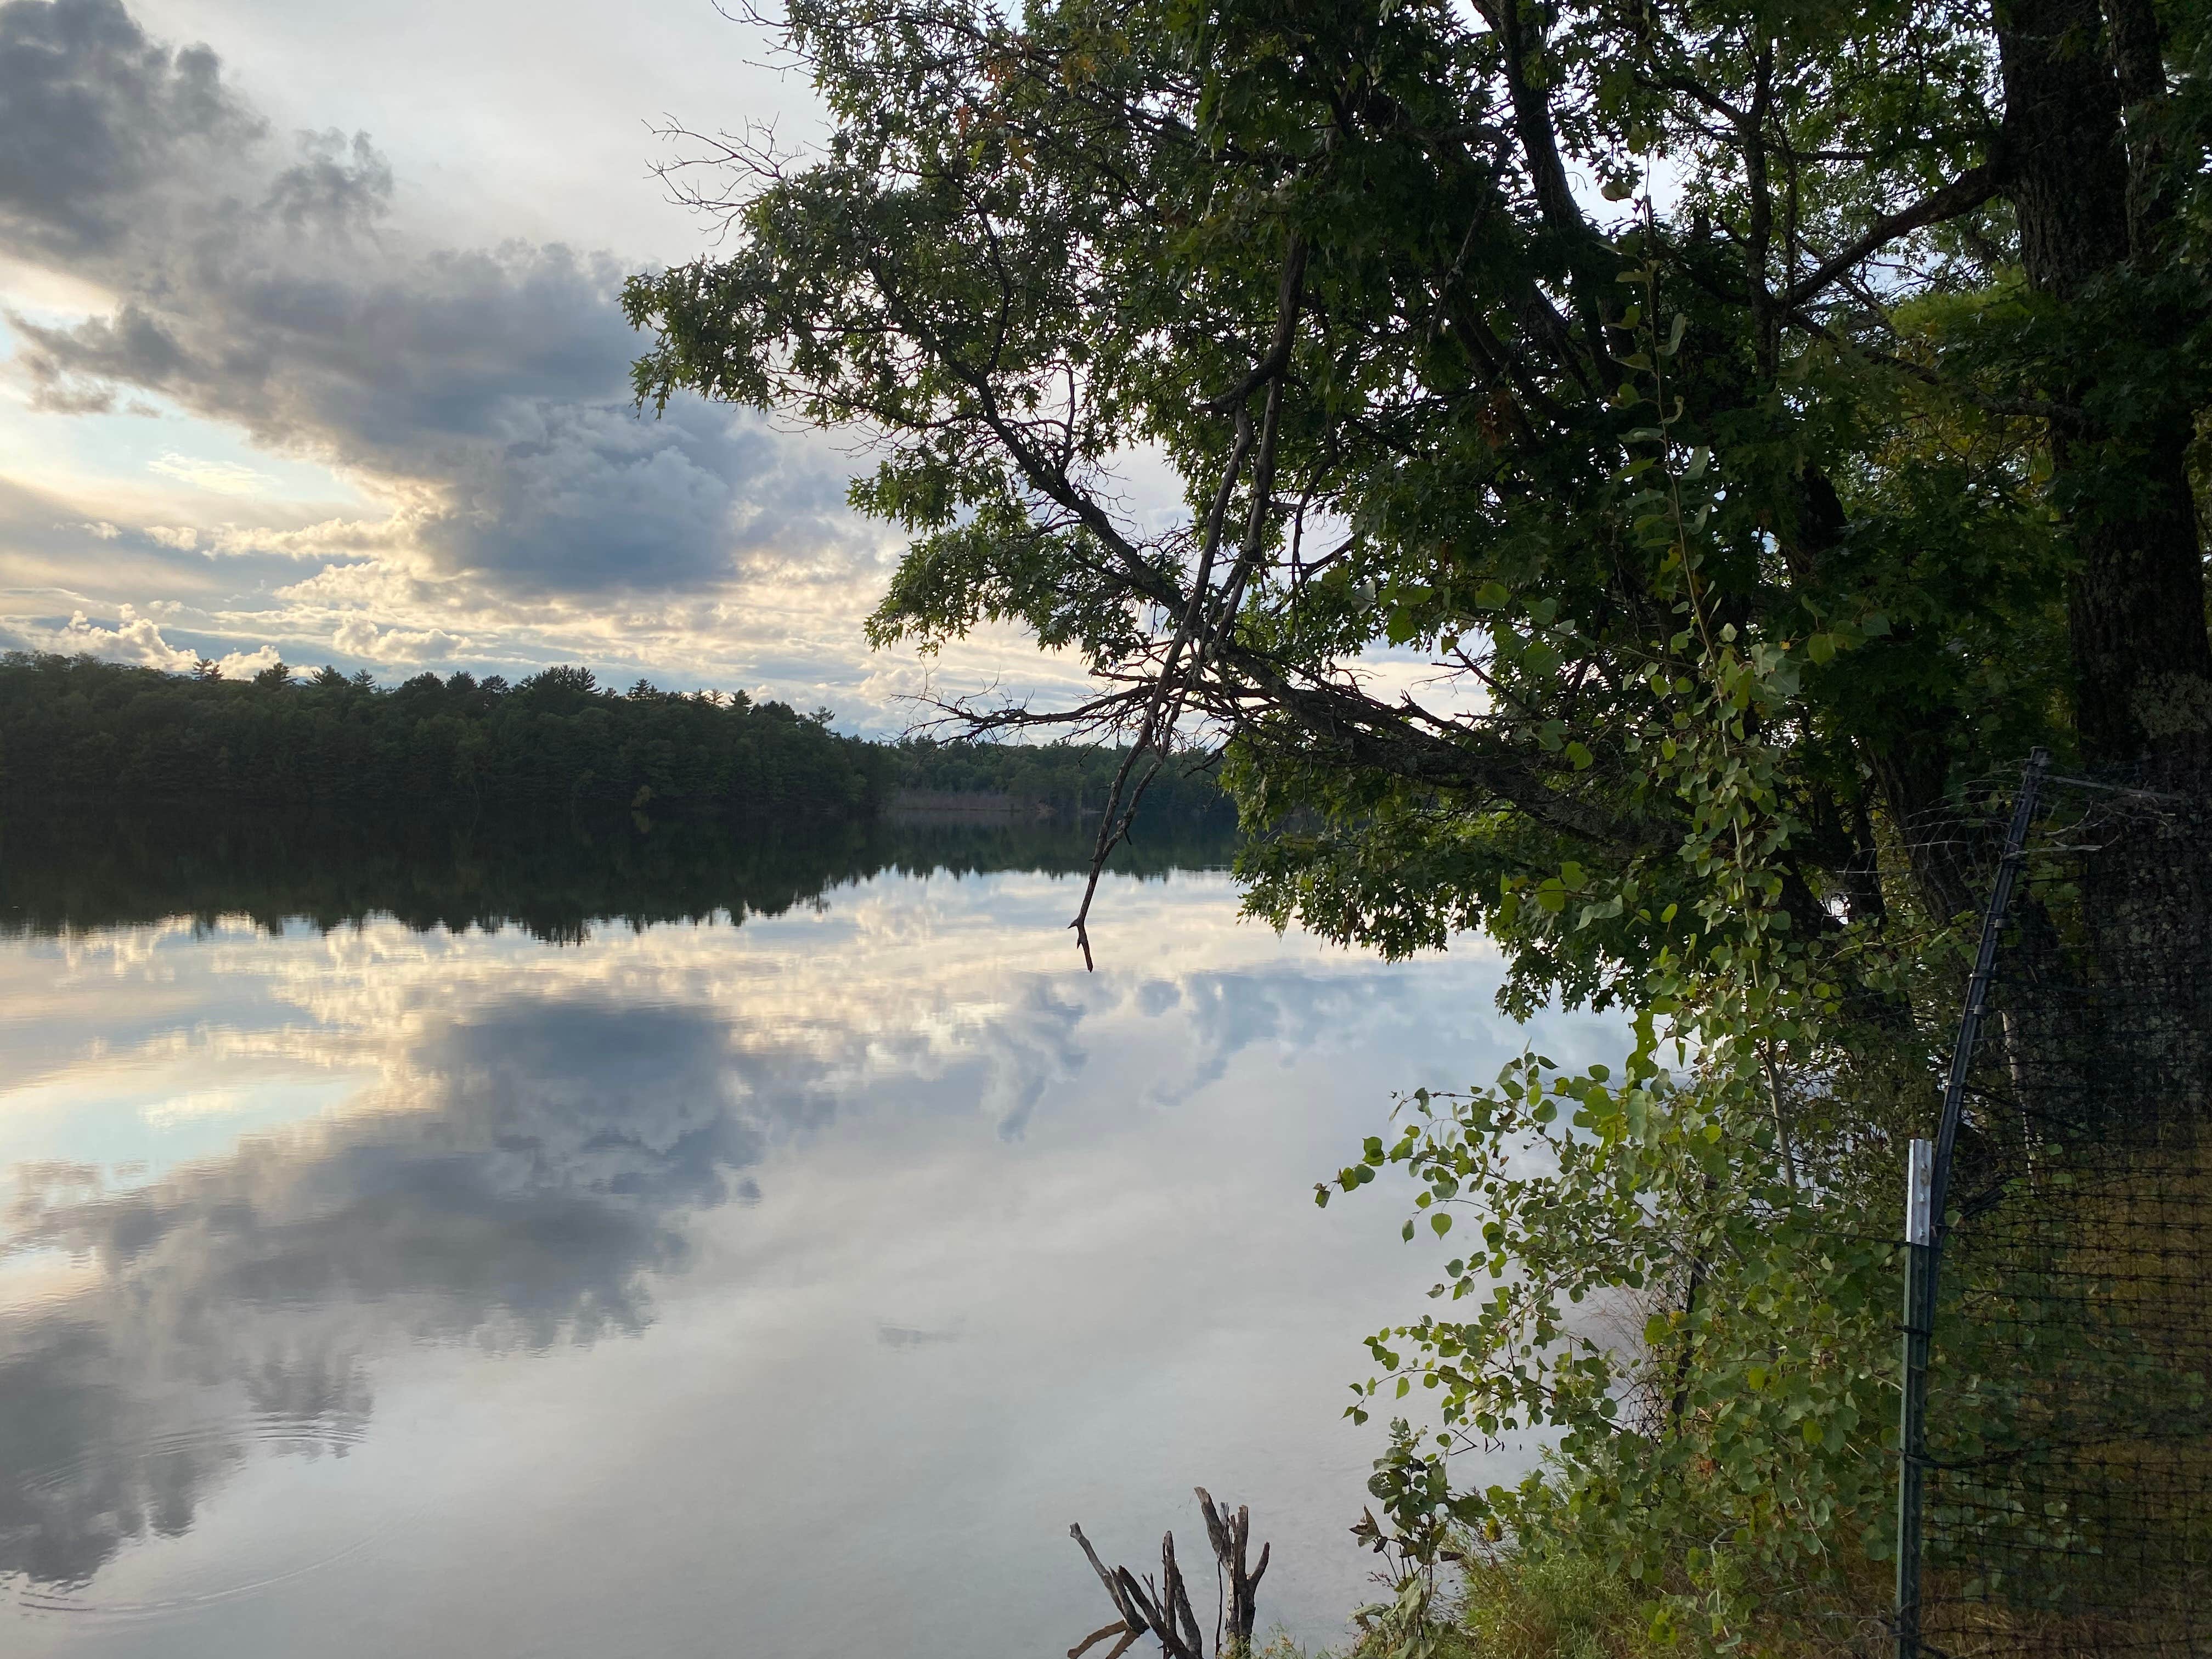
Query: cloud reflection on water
point(538, 1140)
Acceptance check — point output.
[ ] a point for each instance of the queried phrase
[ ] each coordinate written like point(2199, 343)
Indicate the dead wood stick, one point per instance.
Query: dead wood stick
point(1178, 1599)
point(1148, 1609)
point(1122, 1605)
point(1119, 1627)
point(1216, 1532)
point(1161, 1608)
point(1247, 1609)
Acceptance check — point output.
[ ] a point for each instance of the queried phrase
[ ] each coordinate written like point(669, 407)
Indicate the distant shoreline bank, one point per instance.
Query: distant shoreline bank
point(78, 733)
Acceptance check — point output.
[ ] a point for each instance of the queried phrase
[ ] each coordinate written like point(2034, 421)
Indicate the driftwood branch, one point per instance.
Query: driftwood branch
point(1162, 1608)
point(1230, 1540)
point(1121, 1630)
point(1115, 1592)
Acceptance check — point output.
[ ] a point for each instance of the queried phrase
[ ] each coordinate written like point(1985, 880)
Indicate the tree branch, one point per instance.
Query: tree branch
point(1288, 297)
point(1962, 194)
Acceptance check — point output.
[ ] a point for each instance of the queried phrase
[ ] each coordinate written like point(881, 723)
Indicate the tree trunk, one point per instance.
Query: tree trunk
point(2142, 661)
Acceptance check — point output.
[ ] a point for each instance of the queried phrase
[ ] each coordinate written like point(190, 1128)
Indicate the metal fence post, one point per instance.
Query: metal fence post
point(1924, 1248)
point(1912, 1417)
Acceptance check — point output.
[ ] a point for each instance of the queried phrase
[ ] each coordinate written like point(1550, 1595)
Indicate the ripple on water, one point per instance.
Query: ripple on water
point(213, 1441)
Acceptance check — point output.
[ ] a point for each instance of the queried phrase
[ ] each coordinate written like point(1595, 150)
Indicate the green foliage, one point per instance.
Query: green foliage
point(1551, 1607)
point(1663, 1274)
point(458, 749)
point(1726, 1454)
point(557, 743)
point(1068, 780)
point(1033, 241)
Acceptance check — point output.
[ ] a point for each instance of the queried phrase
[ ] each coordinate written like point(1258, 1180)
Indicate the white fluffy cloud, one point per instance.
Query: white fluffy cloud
point(136, 639)
point(358, 637)
point(133, 638)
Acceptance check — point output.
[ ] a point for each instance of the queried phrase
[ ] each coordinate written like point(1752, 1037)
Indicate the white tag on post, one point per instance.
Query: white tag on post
point(1919, 1193)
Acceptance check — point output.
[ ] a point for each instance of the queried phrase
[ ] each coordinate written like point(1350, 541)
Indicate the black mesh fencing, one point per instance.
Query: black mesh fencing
point(2066, 1487)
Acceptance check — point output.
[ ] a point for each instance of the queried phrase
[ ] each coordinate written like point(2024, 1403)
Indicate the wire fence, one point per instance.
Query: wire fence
point(2059, 1478)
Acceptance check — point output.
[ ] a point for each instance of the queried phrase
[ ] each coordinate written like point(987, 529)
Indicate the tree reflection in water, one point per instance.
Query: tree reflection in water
point(817, 1188)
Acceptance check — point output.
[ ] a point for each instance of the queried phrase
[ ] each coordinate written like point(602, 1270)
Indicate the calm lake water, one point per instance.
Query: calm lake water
point(778, 1272)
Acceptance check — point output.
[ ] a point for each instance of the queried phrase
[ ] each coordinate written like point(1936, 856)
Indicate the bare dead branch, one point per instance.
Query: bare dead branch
point(1162, 1608)
point(1119, 1627)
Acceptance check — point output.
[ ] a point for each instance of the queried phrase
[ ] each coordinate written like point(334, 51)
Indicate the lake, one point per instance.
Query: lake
point(604, 1253)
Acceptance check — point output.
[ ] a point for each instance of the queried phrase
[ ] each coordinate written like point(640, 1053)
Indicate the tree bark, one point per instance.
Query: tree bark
point(2138, 50)
point(2062, 141)
point(2143, 660)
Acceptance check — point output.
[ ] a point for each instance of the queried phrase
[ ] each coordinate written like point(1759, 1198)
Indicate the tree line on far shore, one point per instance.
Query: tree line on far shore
point(75, 731)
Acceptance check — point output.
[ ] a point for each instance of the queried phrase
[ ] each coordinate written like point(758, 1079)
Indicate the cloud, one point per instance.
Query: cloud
point(359, 638)
point(138, 638)
point(332, 539)
point(223, 477)
point(492, 495)
point(133, 639)
point(340, 187)
point(244, 665)
point(262, 282)
point(539, 1182)
point(95, 117)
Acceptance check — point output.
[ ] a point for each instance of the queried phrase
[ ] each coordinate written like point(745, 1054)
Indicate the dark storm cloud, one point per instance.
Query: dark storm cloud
point(93, 114)
point(262, 282)
point(533, 1193)
point(1039, 1048)
point(337, 187)
point(1232, 1012)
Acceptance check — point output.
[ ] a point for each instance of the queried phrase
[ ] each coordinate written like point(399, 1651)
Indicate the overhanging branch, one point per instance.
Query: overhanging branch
point(1962, 194)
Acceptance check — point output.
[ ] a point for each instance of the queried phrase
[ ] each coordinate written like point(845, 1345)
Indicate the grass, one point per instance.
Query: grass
point(1516, 1609)
point(1551, 1608)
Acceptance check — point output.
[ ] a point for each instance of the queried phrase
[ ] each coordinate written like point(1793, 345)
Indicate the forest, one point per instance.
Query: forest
point(78, 733)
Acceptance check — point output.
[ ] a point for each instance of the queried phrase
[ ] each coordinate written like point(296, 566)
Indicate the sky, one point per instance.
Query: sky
point(310, 350)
